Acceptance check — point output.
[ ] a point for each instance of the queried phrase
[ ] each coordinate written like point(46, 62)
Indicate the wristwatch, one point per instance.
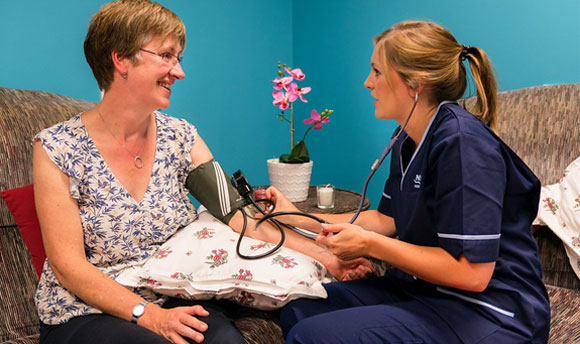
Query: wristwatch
point(138, 311)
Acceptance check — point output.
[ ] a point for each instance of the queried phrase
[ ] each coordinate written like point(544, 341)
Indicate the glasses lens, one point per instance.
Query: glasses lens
point(167, 57)
point(170, 58)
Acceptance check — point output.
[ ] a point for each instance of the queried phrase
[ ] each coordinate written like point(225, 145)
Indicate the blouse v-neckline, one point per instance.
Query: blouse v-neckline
point(110, 171)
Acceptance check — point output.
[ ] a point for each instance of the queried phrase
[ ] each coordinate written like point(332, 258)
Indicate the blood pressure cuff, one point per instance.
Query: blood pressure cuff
point(211, 186)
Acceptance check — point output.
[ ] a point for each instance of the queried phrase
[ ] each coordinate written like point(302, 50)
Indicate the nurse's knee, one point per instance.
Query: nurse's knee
point(305, 332)
point(289, 317)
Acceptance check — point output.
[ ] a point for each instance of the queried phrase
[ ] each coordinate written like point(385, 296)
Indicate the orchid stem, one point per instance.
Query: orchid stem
point(291, 127)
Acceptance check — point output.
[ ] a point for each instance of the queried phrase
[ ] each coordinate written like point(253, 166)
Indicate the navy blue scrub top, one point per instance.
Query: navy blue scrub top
point(466, 191)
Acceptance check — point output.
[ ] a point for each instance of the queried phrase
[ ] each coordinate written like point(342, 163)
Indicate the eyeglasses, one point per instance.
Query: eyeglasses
point(166, 57)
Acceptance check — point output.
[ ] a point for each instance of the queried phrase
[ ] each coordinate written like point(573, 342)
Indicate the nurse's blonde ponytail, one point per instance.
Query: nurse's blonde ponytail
point(485, 83)
point(425, 53)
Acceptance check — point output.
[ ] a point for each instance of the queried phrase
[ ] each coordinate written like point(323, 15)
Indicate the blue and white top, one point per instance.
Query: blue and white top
point(464, 190)
point(118, 231)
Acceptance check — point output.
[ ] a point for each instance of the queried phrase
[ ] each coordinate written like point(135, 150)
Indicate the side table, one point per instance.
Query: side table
point(345, 201)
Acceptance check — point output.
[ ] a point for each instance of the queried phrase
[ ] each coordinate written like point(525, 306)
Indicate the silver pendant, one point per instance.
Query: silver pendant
point(138, 161)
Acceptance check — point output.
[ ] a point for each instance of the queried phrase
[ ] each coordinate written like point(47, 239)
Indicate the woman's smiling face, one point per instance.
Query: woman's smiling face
point(152, 76)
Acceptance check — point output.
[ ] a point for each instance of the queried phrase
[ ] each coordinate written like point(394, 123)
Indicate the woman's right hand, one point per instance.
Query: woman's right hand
point(282, 202)
point(175, 323)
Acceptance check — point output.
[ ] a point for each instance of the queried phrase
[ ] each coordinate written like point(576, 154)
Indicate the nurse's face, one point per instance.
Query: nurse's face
point(390, 92)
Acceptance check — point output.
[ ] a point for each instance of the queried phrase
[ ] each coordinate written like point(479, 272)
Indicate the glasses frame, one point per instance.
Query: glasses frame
point(166, 57)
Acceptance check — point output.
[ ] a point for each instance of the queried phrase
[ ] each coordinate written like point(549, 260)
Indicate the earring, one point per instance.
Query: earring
point(124, 75)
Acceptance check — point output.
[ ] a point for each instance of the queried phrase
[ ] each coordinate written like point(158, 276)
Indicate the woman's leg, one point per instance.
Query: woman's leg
point(108, 329)
point(98, 329)
point(220, 327)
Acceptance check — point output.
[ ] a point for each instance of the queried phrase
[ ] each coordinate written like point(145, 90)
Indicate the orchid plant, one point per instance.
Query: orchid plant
point(285, 94)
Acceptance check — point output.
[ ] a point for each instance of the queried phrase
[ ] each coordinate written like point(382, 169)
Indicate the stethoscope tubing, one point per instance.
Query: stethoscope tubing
point(270, 216)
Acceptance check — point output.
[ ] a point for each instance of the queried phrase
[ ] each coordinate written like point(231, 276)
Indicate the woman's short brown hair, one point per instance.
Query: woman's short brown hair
point(124, 26)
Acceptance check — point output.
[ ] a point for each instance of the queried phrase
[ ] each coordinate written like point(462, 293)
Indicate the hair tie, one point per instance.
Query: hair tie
point(463, 54)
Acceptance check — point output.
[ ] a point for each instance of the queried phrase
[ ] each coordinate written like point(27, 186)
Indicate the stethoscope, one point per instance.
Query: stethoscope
point(269, 215)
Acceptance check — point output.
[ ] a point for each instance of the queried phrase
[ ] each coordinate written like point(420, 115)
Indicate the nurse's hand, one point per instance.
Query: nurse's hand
point(345, 240)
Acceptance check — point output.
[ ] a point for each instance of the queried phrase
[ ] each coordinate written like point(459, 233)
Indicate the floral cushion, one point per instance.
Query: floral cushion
point(560, 211)
point(200, 262)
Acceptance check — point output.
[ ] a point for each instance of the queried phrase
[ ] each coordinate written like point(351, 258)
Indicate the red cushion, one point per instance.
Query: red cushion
point(20, 202)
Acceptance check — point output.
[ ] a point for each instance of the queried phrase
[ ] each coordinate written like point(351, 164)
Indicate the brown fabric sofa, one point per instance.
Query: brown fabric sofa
point(542, 124)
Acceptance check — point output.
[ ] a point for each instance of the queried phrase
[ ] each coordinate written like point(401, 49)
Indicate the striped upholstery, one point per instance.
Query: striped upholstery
point(22, 115)
point(542, 124)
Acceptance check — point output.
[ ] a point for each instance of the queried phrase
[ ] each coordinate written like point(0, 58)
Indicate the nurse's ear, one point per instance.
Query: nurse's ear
point(415, 89)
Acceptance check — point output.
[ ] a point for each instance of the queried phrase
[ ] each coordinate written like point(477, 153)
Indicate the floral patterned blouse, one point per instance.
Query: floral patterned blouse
point(118, 231)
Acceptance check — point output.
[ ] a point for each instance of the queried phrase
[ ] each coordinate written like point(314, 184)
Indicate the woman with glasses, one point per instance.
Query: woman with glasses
point(110, 190)
point(454, 221)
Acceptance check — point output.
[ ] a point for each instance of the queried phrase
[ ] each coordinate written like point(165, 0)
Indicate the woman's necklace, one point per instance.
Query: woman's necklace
point(137, 160)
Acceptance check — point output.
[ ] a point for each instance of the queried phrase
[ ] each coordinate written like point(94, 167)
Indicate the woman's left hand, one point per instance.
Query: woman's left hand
point(345, 240)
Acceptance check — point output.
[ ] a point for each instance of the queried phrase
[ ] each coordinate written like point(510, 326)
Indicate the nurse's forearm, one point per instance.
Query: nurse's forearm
point(432, 264)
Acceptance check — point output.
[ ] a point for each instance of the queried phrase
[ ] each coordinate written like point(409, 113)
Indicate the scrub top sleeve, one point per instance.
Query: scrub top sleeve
point(385, 206)
point(469, 177)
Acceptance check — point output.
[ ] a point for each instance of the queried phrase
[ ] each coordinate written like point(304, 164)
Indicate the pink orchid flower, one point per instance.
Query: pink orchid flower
point(316, 118)
point(296, 73)
point(299, 91)
point(282, 83)
point(282, 99)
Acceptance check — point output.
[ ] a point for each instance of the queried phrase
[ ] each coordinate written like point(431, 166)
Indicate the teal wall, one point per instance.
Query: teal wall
point(231, 54)
point(531, 43)
point(232, 50)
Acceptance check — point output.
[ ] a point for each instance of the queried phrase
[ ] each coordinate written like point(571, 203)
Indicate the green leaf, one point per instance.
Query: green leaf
point(284, 158)
point(299, 154)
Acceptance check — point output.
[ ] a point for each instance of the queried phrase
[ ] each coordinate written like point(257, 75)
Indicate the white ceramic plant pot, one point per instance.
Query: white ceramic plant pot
point(292, 179)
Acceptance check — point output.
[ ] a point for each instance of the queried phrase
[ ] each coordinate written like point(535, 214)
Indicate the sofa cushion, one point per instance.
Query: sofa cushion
point(33, 339)
point(23, 114)
point(541, 124)
point(20, 202)
point(18, 318)
point(564, 304)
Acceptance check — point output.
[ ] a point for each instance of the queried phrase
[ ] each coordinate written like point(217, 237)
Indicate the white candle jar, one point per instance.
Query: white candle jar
point(325, 196)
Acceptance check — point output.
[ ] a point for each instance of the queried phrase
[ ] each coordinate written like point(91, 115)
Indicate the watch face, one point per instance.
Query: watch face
point(138, 310)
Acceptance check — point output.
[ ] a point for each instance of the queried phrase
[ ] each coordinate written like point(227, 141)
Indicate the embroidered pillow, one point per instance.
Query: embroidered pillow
point(200, 262)
point(560, 211)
